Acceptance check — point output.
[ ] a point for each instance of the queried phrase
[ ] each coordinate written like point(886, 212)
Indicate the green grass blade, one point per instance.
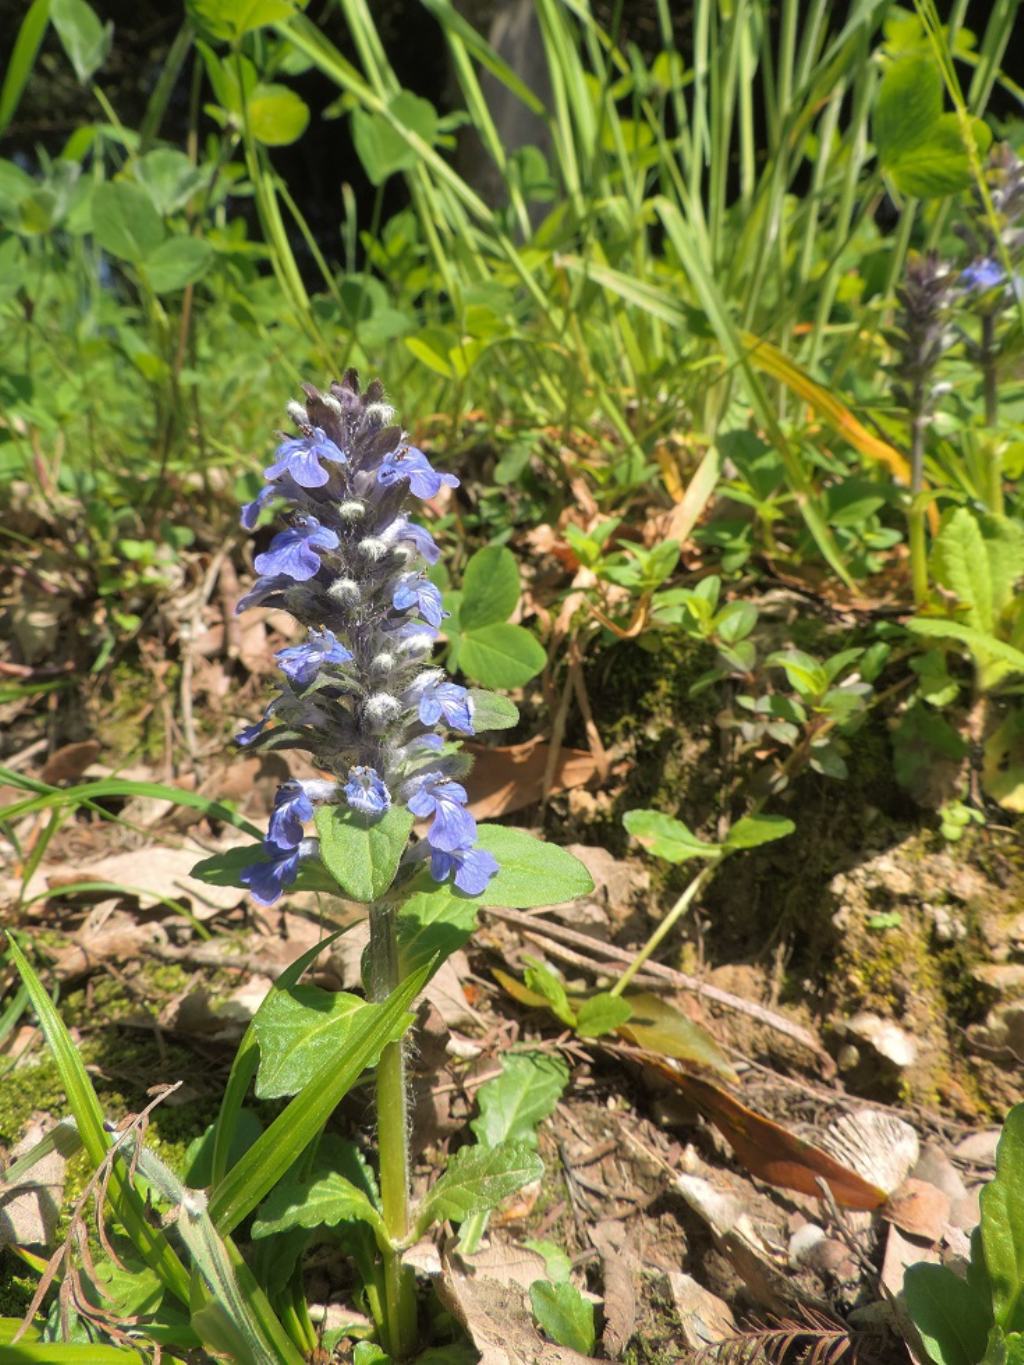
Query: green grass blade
point(266, 1161)
point(150, 1243)
point(23, 59)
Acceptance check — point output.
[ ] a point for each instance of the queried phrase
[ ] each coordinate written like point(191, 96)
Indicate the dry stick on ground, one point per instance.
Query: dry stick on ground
point(775, 1021)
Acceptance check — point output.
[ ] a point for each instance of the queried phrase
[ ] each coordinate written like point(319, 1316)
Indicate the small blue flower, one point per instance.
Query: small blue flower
point(267, 879)
point(980, 276)
point(252, 510)
point(417, 536)
point(453, 829)
point(300, 459)
point(411, 464)
point(473, 869)
point(446, 699)
point(261, 590)
point(415, 590)
point(292, 808)
point(301, 663)
point(251, 733)
point(365, 791)
point(293, 553)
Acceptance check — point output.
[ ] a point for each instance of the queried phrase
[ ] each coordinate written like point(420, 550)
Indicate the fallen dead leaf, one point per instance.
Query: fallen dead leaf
point(68, 763)
point(705, 1318)
point(620, 1273)
point(511, 777)
point(901, 1252)
point(918, 1209)
point(770, 1151)
point(30, 1211)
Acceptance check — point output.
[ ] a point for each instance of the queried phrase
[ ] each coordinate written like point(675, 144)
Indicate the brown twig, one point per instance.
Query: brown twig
point(761, 1013)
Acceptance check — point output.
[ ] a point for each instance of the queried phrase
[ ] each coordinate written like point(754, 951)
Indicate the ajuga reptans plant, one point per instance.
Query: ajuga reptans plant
point(359, 692)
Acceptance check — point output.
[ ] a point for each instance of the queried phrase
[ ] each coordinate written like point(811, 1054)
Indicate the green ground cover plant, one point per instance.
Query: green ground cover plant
point(749, 312)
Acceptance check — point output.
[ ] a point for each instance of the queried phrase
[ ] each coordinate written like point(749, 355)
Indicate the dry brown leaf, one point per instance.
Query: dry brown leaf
point(620, 1272)
point(511, 777)
point(902, 1252)
point(918, 1209)
point(706, 1319)
point(770, 1151)
point(30, 1211)
point(68, 763)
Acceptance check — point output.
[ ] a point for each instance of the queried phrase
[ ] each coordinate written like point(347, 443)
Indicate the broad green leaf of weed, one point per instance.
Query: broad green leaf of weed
point(564, 1314)
point(667, 837)
point(294, 1028)
point(751, 831)
point(542, 981)
point(600, 1014)
point(514, 1103)
point(1002, 1225)
point(952, 1321)
point(490, 587)
point(530, 872)
point(501, 655)
point(491, 712)
point(363, 854)
point(477, 1179)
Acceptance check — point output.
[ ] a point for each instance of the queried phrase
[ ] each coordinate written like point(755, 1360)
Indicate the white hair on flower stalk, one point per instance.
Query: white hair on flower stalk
point(373, 547)
point(346, 592)
point(352, 510)
point(381, 709)
point(383, 662)
point(383, 413)
point(299, 415)
point(331, 403)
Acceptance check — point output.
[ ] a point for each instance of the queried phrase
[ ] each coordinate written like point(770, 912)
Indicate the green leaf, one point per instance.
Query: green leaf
point(50, 1353)
point(668, 838)
point(600, 1014)
point(294, 1028)
point(326, 1201)
point(178, 262)
point(985, 648)
point(541, 981)
point(803, 672)
point(514, 1103)
point(1003, 763)
point(939, 165)
point(753, 830)
point(478, 1179)
point(230, 19)
point(530, 872)
point(360, 853)
point(491, 712)
point(379, 141)
point(433, 923)
point(908, 103)
point(952, 1322)
point(85, 40)
point(277, 116)
point(501, 655)
point(656, 1025)
point(981, 563)
point(490, 588)
point(169, 178)
point(124, 221)
point(1002, 1225)
point(564, 1314)
point(249, 1181)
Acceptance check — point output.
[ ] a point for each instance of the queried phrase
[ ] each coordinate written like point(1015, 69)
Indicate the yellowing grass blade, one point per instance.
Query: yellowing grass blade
point(771, 360)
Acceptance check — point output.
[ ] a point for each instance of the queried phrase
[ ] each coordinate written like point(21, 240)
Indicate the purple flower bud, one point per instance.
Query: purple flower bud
point(453, 829)
point(473, 869)
point(300, 459)
point(411, 464)
point(415, 591)
point(365, 791)
point(301, 663)
point(293, 553)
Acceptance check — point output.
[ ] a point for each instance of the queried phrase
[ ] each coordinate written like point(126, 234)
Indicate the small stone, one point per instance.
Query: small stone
point(1005, 978)
point(935, 1167)
point(979, 1148)
point(965, 1212)
point(947, 926)
point(803, 1243)
point(887, 1038)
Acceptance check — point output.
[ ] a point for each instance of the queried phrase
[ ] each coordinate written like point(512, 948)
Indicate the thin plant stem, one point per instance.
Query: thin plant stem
point(399, 1326)
point(667, 925)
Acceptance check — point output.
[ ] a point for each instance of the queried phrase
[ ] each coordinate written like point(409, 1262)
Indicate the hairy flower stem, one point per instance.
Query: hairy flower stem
point(917, 539)
point(399, 1326)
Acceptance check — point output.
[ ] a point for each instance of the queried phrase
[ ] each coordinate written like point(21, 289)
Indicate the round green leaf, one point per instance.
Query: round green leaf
point(277, 116)
point(178, 262)
point(124, 221)
point(85, 40)
point(501, 655)
point(490, 587)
